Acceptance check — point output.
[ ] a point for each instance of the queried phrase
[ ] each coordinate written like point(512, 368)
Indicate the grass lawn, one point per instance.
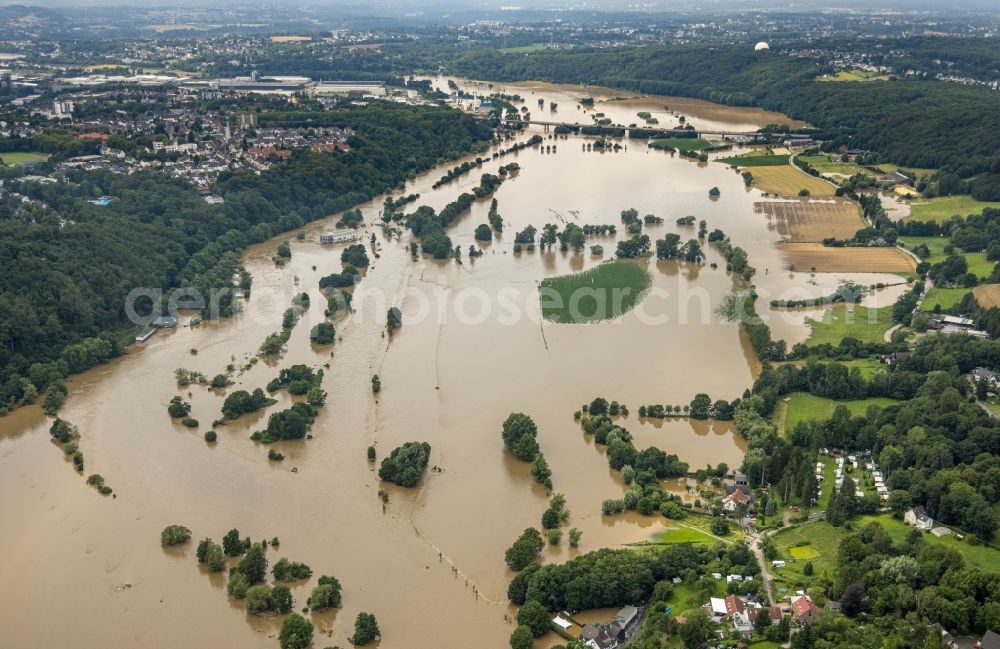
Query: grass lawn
point(829, 478)
point(945, 207)
point(686, 598)
point(946, 297)
point(764, 644)
point(685, 143)
point(818, 539)
point(802, 406)
point(684, 535)
point(755, 160)
point(982, 556)
point(601, 293)
point(977, 261)
point(21, 157)
point(868, 367)
point(842, 320)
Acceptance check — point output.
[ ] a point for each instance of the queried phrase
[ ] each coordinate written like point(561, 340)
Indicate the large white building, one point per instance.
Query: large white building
point(338, 236)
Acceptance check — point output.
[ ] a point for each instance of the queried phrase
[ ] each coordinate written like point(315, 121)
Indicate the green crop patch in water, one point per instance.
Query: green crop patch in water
point(601, 293)
point(755, 160)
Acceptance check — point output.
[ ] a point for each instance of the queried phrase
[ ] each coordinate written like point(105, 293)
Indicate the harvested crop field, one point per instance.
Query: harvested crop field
point(804, 219)
point(804, 257)
point(987, 295)
point(786, 180)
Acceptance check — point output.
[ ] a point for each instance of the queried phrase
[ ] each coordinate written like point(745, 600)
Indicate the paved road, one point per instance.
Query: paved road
point(765, 577)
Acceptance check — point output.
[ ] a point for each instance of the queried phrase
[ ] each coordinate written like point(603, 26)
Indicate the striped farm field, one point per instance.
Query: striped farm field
point(805, 219)
point(805, 257)
point(987, 295)
point(786, 180)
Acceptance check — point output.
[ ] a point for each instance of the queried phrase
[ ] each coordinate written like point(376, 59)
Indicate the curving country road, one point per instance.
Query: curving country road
point(765, 577)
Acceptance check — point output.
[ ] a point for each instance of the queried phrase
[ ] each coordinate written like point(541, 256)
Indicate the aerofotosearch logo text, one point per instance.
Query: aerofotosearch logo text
point(509, 305)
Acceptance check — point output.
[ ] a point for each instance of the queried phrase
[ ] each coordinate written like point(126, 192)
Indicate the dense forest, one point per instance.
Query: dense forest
point(924, 124)
point(66, 265)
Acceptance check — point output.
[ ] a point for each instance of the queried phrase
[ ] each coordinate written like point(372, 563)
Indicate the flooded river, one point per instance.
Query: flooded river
point(431, 565)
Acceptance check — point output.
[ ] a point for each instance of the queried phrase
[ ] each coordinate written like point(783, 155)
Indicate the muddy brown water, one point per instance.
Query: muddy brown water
point(431, 565)
point(622, 106)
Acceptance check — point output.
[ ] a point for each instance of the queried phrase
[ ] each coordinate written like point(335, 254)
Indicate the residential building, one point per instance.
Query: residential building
point(773, 614)
point(742, 624)
point(733, 501)
point(598, 637)
point(734, 605)
point(990, 641)
point(618, 630)
point(918, 518)
point(991, 377)
point(804, 610)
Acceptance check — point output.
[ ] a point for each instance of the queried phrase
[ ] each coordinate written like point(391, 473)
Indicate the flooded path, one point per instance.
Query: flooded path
point(431, 565)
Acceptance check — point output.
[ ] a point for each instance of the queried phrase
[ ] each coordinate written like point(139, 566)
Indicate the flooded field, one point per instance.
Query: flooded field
point(622, 106)
point(472, 349)
point(826, 259)
point(806, 219)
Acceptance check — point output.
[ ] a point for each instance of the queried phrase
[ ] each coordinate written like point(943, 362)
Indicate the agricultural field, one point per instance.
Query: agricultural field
point(854, 75)
point(21, 157)
point(977, 261)
point(755, 159)
point(828, 164)
point(522, 49)
point(916, 172)
point(601, 293)
point(981, 556)
point(987, 295)
point(804, 219)
point(786, 180)
point(103, 67)
point(946, 298)
point(945, 207)
point(849, 320)
point(804, 257)
point(802, 406)
point(685, 143)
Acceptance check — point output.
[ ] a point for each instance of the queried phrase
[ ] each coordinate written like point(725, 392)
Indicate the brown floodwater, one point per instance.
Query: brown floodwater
point(622, 106)
point(471, 351)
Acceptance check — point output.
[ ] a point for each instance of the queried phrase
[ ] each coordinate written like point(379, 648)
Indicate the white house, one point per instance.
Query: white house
point(338, 236)
point(733, 501)
point(918, 518)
